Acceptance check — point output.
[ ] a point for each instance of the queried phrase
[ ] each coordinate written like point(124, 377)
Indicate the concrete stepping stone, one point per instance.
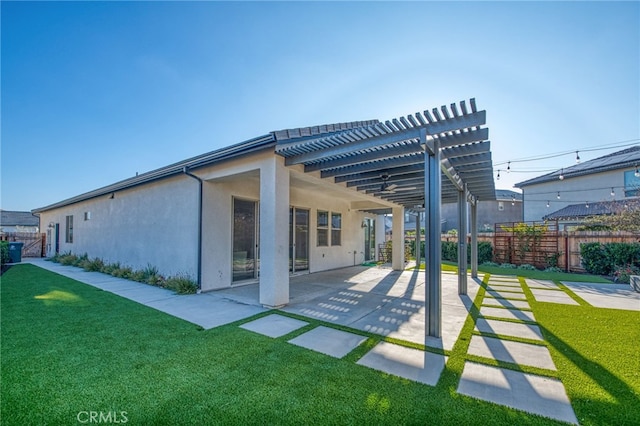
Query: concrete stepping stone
point(527, 392)
point(408, 363)
point(612, 296)
point(335, 343)
point(514, 352)
point(515, 314)
point(274, 325)
point(514, 329)
point(552, 296)
point(550, 285)
point(514, 304)
point(493, 287)
point(504, 283)
point(505, 295)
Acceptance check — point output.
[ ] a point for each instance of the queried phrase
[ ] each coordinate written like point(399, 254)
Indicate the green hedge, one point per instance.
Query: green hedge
point(450, 251)
point(603, 259)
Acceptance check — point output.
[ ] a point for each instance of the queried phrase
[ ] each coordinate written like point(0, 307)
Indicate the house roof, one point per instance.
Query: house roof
point(507, 194)
point(359, 151)
point(629, 157)
point(13, 218)
point(583, 210)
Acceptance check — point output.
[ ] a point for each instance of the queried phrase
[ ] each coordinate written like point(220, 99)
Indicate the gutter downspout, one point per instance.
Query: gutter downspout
point(186, 172)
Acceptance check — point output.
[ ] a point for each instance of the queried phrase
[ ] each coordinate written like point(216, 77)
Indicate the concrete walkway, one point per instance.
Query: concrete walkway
point(207, 310)
point(391, 303)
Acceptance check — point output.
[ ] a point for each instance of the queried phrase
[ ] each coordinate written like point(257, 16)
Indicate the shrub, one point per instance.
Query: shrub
point(68, 259)
point(449, 251)
point(485, 252)
point(4, 252)
point(527, 267)
point(490, 264)
point(508, 266)
point(622, 273)
point(553, 269)
point(181, 284)
point(123, 272)
point(94, 265)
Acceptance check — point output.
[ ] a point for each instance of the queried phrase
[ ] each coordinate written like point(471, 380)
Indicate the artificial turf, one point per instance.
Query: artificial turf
point(68, 349)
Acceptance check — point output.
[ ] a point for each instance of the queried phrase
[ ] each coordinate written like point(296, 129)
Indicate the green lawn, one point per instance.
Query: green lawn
point(68, 348)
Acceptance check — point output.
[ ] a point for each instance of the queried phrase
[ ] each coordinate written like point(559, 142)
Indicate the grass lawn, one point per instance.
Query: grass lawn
point(69, 348)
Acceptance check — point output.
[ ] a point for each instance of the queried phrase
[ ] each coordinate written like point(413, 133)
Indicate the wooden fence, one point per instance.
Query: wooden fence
point(543, 244)
point(34, 243)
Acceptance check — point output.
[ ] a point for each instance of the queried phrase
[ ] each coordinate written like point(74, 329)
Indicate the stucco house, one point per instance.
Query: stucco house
point(292, 201)
point(16, 221)
point(611, 177)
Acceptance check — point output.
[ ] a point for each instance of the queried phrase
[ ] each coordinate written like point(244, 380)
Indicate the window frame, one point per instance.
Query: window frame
point(68, 232)
point(322, 228)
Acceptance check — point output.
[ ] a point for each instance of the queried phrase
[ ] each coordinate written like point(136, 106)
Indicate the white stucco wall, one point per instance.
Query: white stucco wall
point(157, 223)
point(153, 224)
point(592, 188)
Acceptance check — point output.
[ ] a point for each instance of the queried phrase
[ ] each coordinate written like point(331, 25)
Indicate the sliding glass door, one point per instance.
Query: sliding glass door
point(298, 240)
point(245, 241)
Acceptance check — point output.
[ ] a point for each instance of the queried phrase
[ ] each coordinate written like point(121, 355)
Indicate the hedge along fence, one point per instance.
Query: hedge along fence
point(449, 251)
point(617, 259)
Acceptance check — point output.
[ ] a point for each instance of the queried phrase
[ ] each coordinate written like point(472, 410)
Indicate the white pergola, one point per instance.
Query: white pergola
point(415, 162)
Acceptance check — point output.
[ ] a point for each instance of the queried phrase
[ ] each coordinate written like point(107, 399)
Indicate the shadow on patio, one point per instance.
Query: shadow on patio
point(373, 299)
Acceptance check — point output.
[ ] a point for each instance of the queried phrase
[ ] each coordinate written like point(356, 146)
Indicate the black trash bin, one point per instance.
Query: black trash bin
point(15, 252)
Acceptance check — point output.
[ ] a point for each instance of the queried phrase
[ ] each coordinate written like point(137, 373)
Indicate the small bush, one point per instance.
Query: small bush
point(553, 269)
point(622, 273)
point(508, 266)
point(527, 267)
point(490, 264)
point(123, 272)
point(181, 284)
point(68, 259)
point(4, 254)
point(94, 265)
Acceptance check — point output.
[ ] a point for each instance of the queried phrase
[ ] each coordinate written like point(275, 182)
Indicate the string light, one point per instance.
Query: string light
point(547, 203)
point(613, 192)
point(586, 204)
point(558, 196)
point(498, 177)
point(637, 173)
point(561, 177)
point(577, 157)
point(513, 200)
point(509, 167)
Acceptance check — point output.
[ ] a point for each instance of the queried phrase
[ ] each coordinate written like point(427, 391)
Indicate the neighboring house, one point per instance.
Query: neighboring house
point(507, 207)
point(12, 221)
point(292, 201)
point(612, 177)
point(575, 214)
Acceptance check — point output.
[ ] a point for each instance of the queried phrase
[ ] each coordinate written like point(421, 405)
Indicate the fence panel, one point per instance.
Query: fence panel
point(34, 242)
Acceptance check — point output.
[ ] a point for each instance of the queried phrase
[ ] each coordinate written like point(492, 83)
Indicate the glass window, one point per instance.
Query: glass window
point(336, 229)
point(68, 236)
point(323, 228)
point(631, 184)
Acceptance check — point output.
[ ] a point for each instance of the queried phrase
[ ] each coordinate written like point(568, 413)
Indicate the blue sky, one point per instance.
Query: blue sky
point(94, 92)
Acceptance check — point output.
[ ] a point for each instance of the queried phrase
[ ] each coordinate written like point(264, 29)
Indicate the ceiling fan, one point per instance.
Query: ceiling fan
point(387, 188)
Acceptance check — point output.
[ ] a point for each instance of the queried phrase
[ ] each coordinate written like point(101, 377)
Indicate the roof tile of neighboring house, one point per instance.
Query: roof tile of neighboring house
point(13, 218)
point(583, 210)
point(629, 157)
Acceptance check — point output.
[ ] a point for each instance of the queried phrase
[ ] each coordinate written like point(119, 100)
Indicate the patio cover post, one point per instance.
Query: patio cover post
point(433, 303)
point(474, 238)
point(418, 240)
point(274, 240)
point(462, 241)
point(397, 239)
